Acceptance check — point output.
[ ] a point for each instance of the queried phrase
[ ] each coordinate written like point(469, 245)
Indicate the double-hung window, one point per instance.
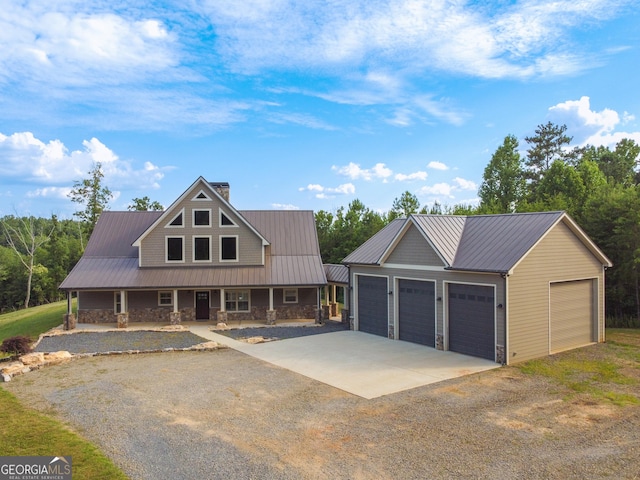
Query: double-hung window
point(228, 249)
point(236, 300)
point(175, 249)
point(202, 249)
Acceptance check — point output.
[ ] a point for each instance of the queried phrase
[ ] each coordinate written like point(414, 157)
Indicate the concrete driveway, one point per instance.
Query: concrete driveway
point(359, 363)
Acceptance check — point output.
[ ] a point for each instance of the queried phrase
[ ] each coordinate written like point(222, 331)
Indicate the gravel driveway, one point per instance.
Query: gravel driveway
point(222, 414)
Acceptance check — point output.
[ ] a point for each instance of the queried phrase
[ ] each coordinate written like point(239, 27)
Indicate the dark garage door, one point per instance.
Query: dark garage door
point(471, 320)
point(416, 311)
point(373, 305)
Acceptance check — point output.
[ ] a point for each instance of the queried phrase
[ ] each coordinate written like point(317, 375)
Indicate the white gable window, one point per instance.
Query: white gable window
point(225, 220)
point(174, 249)
point(165, 299)
point(290, 295)
point(228, 249)
point(177, 221)
point(236, 300)
point(202, 218)
point(202, 249)
point(201, 197)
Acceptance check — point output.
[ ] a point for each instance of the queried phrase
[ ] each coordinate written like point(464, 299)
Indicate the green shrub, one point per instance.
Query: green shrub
point(18, 345)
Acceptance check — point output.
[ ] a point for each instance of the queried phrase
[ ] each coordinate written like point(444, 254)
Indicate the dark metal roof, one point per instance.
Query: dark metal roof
point(371, 251)
point(481, 243)
point(496, 243)
point(293, 257)
point(338, 274)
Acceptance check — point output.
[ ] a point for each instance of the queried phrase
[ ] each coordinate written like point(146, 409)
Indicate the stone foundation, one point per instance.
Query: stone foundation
point(271, 317)
point(175, 318)
point(439, 342)
point(345, 316)
point(392, 332)
point(326, 312)
point(69, 321)
point(500, 357)
point(122, 320)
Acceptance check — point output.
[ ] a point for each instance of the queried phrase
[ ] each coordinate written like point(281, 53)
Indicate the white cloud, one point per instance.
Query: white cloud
point(589, 127)
point(355, 172)
point(401, 177)
point(330, 192)
point(439, 189)
point(50, 163)
point(463, 184)
point(437, 166)
point(481, 40)
point(284, 206)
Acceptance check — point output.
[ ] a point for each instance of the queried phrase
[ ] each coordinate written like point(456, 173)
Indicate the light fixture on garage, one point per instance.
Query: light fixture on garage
point(439, 299)
point(499, 305)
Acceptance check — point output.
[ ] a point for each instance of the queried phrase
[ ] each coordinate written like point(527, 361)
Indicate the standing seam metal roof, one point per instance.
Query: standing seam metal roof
point(481, 243)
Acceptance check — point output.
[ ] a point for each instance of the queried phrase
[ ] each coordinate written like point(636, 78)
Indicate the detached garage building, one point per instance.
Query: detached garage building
point(507, 287)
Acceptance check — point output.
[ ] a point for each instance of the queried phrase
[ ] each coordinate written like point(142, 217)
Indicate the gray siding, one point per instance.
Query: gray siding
point(560, 256)
point(250, 249)
point(440, 277)
point(413, 249)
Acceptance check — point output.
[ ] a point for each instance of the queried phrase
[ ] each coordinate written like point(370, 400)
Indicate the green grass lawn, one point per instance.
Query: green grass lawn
point(31, 322)
point(607, 373)
point(24, 431)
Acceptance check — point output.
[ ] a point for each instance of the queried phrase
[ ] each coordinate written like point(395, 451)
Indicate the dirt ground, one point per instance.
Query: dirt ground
point(222, 414)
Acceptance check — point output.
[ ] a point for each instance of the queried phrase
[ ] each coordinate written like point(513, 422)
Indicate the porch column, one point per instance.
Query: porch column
point(174, 317)
point(123, 317)
point(271, 313)
point(69, 319)
point(222, 314)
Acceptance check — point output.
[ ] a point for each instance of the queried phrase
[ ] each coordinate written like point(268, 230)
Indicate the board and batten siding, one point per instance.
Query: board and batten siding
point(560, 256)
point(440, 277)
point(413, 249)
point(153, 249)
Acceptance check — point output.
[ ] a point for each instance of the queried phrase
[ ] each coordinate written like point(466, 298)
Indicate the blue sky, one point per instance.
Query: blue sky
point(300, 105)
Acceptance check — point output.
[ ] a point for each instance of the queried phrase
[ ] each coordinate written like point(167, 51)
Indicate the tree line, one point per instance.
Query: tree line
point(598, 186)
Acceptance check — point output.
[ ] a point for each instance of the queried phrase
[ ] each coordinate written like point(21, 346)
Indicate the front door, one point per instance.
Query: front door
point(202, 306)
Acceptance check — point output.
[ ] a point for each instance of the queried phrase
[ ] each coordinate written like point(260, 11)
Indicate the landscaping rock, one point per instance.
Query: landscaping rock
point(36, 358)
point(254, 340)
point(56, 358)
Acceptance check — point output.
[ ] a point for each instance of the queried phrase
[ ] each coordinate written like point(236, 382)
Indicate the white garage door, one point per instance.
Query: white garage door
point(572, 315)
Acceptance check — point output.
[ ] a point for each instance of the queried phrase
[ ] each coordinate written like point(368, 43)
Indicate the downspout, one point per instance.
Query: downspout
point(505, 361)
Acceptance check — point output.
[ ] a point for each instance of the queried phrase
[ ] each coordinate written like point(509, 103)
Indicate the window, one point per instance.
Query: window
point(117, 302)
point(225, 221)
point(228, 249)
point(175, 249)
point(165, 298)
point(201, 249)
point(202, 218)
point(236, 300)
point(201, 196)
point(177, 221)
point(290, 295)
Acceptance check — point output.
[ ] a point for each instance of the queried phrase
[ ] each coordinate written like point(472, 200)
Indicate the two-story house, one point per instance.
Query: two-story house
point(199, 260)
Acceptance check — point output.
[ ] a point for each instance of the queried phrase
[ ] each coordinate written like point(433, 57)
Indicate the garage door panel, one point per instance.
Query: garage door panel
point(472, 320)
point(373, 305)
point(416, 311)
point(571, 315)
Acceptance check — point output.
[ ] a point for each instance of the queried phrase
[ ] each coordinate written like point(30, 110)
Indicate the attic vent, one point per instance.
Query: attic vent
point(201, 196)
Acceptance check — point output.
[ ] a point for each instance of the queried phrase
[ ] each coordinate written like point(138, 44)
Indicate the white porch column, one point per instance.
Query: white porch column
point(346, 297)
point(175, 301)
point(270, 298)
point(123, 301)
point(223, 306)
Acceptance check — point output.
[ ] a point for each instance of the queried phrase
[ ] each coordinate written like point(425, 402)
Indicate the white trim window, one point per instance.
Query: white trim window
point(177, 221)
point(224, 220)
point(117, 302)
point(202, 249)
point(237, 300)
point(165, 298)
point(290, 295)
point(174, 249)
point(228, 248)
point(201, 197)
point(201, 217)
